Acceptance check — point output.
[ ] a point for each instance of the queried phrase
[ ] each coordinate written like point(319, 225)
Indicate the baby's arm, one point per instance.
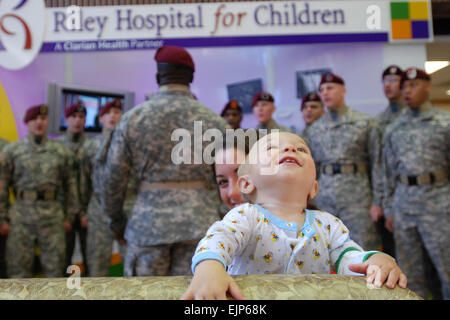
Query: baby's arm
point(381, 268)
point(211, 282)
point(223, 241)
point(349, 258)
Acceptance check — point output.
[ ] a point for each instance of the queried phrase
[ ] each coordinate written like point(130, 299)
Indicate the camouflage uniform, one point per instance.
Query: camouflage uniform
point(304, 132)
point(2, 237)
point(74, 143)
point(384, 119)
point(100, 238)
point(271, 124)
point(418, 143)
point(348, 137)
point(43, 177)
point(165, 220)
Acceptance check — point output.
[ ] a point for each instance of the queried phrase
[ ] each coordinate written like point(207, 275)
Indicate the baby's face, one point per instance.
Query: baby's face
point(281, 157)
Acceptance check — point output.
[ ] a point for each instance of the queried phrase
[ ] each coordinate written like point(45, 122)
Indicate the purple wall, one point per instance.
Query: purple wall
point(359, 64)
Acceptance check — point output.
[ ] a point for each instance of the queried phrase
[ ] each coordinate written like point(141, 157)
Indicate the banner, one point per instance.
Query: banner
point(103, 28)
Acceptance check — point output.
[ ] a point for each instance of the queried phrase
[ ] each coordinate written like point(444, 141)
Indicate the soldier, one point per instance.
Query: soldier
point(2, 237)
point(41, 173)
point(176, 201)
point(312, 109)
point(232, 113)
point(345, 145)
point(263, 108)
point(391, 78)
point(416, 160)
point(100, 237)
point(74, 139)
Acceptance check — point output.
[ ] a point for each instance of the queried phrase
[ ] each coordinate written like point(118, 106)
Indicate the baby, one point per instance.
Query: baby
point(275, 233)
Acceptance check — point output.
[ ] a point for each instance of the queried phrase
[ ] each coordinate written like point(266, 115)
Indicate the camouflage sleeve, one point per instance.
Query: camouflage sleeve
point(85, 185)
point(307, 139)
point(6, 170)
point(376, 172)
point(388, 175)
point(70, 186)
point(115, 181)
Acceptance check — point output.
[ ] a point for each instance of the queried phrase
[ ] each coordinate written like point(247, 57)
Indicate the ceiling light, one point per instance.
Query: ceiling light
point(433, 66)
point(448, 92)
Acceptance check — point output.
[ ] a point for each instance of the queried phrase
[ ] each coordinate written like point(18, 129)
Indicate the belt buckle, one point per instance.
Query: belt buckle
point(336, 168)
point(48, 195)
point(412, 180)
point(29, 195)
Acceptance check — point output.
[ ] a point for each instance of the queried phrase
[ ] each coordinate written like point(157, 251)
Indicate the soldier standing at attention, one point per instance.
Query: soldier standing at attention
point(41, 173)
point(416, 160)
point(232, 113)
point(99, 236)
point(263, 107)
point(176, 201)
point(312, 109)
point(346, 147)
point(391, 78)
point(2, 236)
point(74, 139)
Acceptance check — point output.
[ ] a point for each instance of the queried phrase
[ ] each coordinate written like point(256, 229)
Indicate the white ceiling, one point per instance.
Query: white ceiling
point(440, 50)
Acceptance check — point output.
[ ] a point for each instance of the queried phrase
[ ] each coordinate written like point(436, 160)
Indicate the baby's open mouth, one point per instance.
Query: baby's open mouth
point(292, 160)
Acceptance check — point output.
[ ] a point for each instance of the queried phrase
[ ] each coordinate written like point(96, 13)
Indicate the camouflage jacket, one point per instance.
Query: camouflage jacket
point(68, 139)
point(415, 144)
point(92, 167)
point(3, 143)
point(48, 166)
point(347, 136)
point(143, 141)
point(271, 124)
point(389, 115)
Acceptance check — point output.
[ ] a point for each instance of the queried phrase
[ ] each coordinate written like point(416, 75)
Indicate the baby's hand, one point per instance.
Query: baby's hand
point(211, 282)
point(380, 268)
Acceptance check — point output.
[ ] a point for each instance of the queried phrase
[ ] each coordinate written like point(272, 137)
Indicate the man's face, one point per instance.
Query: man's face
point(332, 95)
point(233, 117)
point(312, 110)
point(415, 92)
point(75, 122)
point(263, 111)
point(111, 118)
point(391, 87)
point(38, 126)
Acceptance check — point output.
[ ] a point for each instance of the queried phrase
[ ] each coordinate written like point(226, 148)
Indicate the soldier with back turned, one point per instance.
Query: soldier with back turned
point(176, 200)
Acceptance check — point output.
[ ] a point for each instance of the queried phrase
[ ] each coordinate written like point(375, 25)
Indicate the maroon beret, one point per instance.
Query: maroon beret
point(392, 70)
point(329, 77)
point(262, 96)
point(312, 96)
point(117, 103)
point(76, 107)
point(414, 73)
point(233, 104)
point(174, 55)
point(34, 111)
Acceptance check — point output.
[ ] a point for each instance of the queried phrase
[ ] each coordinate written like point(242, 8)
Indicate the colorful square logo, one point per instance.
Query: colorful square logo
point(409, 20)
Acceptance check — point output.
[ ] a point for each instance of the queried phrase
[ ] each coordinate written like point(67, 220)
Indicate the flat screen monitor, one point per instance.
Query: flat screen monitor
point(62, 96)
